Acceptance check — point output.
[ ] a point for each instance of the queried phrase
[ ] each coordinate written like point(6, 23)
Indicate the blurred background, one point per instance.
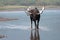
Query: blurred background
point(29, 2)
point(13, 4)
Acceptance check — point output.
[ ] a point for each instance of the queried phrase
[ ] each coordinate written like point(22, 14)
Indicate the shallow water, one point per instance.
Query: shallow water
point(20, 29)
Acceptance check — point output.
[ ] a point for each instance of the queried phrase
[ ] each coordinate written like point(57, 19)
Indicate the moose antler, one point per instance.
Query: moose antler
point(42, 10)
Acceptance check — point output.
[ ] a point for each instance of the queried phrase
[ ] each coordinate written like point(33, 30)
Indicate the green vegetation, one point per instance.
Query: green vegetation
point(29, 2)
point(21, 4)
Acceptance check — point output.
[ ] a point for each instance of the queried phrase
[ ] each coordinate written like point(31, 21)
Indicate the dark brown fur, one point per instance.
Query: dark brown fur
point(35, 17)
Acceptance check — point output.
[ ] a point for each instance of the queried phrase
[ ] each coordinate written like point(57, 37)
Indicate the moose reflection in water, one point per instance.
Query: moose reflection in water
point(34, 15)
point(35, 35)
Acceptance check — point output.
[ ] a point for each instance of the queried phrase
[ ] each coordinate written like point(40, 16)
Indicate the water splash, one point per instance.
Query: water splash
point(22, 27)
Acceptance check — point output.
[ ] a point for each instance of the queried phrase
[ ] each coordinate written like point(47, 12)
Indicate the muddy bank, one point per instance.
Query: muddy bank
point(2, 36)
point(7, 19)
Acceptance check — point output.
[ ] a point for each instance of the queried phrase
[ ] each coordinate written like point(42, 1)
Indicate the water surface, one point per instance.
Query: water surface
point(20, 29)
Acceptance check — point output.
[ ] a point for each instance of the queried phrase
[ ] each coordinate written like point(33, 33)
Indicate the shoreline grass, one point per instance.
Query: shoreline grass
point(12, 8)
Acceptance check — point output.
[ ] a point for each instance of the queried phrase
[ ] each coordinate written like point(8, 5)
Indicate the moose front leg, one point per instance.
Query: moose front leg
point(31, 24)
point(38, 21)
point(35, 24)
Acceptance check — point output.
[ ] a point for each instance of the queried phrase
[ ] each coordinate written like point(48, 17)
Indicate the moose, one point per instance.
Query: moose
point(34, 14)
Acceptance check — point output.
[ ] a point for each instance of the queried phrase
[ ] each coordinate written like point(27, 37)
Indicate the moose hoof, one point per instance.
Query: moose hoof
point(37, 27)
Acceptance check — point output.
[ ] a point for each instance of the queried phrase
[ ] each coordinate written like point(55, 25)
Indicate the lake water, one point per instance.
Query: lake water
point(20, 29)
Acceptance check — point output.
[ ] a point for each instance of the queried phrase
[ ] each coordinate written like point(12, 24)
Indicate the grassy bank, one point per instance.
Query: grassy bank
point(12, 8)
